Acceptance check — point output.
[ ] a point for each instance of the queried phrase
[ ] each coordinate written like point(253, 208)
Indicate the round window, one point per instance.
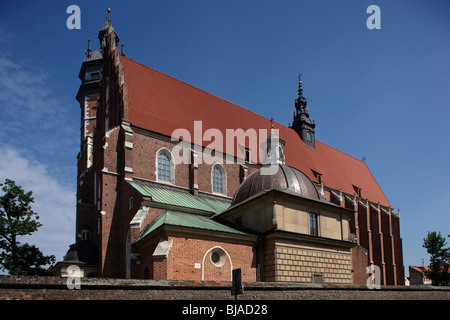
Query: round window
point(218, 257)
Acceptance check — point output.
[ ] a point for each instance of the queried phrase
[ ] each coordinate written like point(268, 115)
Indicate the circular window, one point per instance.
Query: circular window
point(218, 257)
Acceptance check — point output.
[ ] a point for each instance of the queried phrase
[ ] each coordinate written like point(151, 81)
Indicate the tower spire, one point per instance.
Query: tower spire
point(300, 89)
point(302, 123)
point(106, 31)
point(108, 18)
point(89, 50)
point(300, 102)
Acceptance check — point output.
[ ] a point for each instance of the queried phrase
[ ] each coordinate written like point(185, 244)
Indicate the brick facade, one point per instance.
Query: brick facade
point(359, 264)
point(117, 151)
point(188, 252)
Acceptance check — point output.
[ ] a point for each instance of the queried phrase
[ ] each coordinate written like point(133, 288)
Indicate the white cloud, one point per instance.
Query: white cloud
point(37, 123)
point(24, 93)
point(40, 137)
point(32, 112)
point(54, 202)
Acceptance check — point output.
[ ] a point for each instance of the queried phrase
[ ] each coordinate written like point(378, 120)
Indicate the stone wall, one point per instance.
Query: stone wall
point(302, 263)
point(55, 288)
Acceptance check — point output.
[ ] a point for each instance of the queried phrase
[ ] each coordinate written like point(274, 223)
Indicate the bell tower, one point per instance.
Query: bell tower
point(87, 96)
point(302, 123)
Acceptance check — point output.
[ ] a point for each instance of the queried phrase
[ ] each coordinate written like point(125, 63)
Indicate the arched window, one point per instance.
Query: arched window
point(165, 166)
point(218, 179)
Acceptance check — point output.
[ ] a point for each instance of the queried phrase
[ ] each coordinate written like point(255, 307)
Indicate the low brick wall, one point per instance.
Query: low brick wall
point(55, 288)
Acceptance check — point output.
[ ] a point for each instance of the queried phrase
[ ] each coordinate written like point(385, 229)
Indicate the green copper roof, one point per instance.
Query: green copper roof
point(180, 197)
point(182, 219)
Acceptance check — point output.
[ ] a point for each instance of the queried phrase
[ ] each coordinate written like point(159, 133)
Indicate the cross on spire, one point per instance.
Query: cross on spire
point(106, 31)
point(300, 89)
point(300, 102)
point(89, 50)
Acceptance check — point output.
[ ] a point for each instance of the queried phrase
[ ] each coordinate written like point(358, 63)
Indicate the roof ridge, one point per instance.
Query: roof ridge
point(201, 90)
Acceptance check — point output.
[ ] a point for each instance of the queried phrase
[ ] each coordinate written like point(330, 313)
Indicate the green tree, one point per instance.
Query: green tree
point(17, 219)
point(439, 258)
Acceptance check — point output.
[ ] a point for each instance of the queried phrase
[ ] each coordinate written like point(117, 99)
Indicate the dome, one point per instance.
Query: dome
point(83, 251)
point(286, 179)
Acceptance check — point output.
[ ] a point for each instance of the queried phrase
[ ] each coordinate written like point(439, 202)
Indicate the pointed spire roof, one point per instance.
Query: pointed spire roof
point(108, 20)
point(300, 102)
point(89, 50)
point(91, 55)
point(302, 124)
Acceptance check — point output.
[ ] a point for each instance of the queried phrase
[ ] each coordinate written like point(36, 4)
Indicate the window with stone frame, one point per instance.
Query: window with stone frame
point(218, 179)
point(313, 228)
point(164, 166)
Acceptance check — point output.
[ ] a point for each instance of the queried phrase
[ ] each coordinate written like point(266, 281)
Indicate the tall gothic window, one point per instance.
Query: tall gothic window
point(218, 179)
point(164, 165)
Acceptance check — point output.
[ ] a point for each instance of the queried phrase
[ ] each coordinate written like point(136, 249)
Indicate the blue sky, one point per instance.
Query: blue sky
point(379, 94)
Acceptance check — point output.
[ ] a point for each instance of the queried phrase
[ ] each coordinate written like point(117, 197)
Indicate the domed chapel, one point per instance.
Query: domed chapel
point(288, 208)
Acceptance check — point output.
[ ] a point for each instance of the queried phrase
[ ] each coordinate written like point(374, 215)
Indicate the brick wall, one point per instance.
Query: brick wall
point(398, 245)
point(359, 263)
point(186, 252)
point(387, 248)
point(145, 148)
point(190, 259)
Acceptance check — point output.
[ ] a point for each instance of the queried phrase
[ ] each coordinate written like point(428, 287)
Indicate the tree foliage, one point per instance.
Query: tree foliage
point(439, 258)
point(17, 219)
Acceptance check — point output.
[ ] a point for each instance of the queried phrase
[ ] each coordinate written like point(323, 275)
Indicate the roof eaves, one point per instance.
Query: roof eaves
point(177, 197)
point(286, 192)
point(187, 220)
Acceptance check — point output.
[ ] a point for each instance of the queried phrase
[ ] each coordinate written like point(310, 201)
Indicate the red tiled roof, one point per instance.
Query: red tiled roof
point(421, 269)
point(426, 268)
point(161, 103)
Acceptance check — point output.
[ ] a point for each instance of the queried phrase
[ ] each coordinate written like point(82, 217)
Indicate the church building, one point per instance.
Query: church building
point(157, 198)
